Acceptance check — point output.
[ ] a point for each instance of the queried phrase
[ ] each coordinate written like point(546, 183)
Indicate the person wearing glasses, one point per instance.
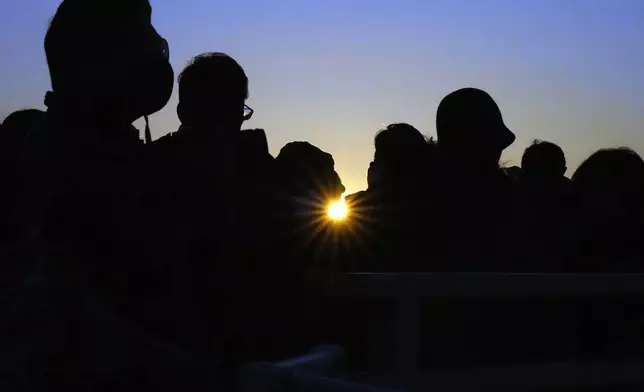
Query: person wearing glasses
point(213, 89)
point(199, 160)
point(194, 200)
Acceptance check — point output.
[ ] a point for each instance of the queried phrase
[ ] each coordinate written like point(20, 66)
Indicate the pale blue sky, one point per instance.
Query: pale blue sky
point(332, 72)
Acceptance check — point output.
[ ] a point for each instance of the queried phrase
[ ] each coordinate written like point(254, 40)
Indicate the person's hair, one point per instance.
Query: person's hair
point(81, 31)
point(305, 167)
point(213, 77)
point(305, 156)
point(398, 140)
point(618, 170)
point(17, 126)
point(543, 158)
point(23, 116)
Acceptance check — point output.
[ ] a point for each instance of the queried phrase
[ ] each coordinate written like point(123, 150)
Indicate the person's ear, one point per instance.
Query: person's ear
point(181, 112)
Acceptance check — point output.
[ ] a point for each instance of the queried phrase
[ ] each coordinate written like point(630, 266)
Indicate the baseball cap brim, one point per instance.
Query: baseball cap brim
point(505, 136)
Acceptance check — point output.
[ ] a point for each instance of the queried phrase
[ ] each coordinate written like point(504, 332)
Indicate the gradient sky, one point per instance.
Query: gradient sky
point(333, 72)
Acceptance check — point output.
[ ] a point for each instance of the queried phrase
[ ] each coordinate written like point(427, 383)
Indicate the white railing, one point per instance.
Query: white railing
point(508, 285)
point(398, 349)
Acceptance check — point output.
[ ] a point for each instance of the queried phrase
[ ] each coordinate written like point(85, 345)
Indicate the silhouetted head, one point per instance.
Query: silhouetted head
point(212, 91)
point(543, 159)
point(310, 170)
point(610, 184)
point(400, 150)
point(398, 140)
point(17, 127)
point(471, 129)
point(106, 59)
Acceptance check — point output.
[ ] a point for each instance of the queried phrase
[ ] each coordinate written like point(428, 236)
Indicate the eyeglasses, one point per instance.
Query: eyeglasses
point(248, 112)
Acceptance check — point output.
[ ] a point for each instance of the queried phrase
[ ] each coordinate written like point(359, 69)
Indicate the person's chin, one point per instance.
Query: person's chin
point(155, 90)
point(156, 101)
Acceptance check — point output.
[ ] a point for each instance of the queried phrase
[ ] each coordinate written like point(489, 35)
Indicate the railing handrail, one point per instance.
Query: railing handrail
point(436, 285)
point(597, 374)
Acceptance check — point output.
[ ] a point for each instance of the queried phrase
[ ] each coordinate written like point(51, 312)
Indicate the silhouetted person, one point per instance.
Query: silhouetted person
point(202, 241)
point(308, 183)
point(203, 156)
point(199, 160)
point(15, 130)
point(473, 192)
point(213, 89)
point(399, 150)
point(471, 131)
point(543, 166)
point(543, 208)
point(608, 192)
point(388, 216)
point(543, 159)
point(108, 67)
point(473, 204)
point(309, 164)
point(305, 184)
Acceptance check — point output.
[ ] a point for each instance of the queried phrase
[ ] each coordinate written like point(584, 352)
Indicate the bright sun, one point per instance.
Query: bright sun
point(338, 210)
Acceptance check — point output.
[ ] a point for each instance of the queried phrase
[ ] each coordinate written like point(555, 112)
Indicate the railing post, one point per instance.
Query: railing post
point(408, 335)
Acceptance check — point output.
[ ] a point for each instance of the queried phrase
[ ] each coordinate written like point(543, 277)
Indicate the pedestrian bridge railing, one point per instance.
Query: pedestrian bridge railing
point(396, 346)
point(429, 285)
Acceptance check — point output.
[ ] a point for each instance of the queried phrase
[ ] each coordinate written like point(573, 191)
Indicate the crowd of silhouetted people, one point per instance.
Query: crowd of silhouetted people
point(127, 261)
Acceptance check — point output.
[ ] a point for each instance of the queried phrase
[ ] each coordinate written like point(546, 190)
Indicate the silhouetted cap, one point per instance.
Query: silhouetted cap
point(464, 114)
